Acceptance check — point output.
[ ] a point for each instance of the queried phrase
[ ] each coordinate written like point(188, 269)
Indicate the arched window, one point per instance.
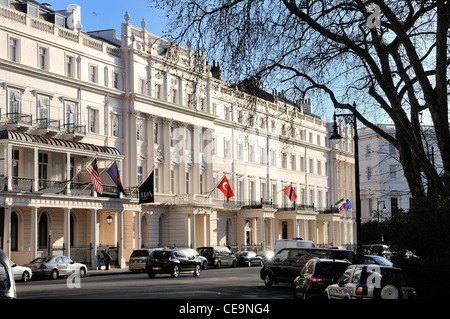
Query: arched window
point(43, 231)
point(14, 231)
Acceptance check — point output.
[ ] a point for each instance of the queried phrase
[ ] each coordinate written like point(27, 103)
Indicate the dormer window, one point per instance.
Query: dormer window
point(33, 10)
point(60, 21)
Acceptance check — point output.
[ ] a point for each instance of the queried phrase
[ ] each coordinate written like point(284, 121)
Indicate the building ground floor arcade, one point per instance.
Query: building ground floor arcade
point(33, 226)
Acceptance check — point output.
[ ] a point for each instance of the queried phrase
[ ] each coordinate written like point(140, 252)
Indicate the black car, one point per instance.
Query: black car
point(173, 262)
point(248, 258)
point(287, 264)
point(371, 282)
point(316, 275)
point(380, 250)
point(218, 256)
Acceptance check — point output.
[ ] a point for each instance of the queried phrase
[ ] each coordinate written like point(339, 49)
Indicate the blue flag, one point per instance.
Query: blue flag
point(113, 171)
point(348, 205)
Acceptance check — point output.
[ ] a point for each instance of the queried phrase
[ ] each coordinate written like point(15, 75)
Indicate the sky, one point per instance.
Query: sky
point(109, 14)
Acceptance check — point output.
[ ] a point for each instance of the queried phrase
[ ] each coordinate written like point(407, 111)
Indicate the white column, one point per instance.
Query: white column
point(196, 149)
point(181, 153)
point(8, 168)
point(33, 235)
point(138, 231)
point(122, 263)
point(68, 185)
point(165, 176)
point(35, 170)
point(194, 241)
point(7, 235)
point(94, 238)
point(67, 231)
point(150, 144)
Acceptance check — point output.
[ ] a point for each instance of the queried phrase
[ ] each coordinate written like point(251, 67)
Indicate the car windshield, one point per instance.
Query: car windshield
point(330, 269)
point(139, 253)
point(204, 251)
point(40, 260)
point(161, 254)
point(381, 260)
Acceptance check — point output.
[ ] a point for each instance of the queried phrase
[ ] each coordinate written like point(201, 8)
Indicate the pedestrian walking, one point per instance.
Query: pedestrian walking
point(99, 262)
point(106, 258)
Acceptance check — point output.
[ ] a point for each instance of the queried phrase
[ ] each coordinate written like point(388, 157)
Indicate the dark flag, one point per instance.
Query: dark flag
point(289, 191)
point(113, 171)
point(146, 191)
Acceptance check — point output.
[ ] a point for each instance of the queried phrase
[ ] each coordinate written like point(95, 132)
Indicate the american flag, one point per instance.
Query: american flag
point(96, 181)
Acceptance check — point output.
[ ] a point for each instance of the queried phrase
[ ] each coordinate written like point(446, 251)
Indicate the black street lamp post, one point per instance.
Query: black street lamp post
point(351, 118)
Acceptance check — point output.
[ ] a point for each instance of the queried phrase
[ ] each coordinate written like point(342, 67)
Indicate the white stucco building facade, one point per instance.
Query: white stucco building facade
point(69, 96)
point(384, 188)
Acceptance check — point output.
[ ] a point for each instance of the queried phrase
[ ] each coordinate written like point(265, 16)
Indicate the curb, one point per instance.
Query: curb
point(111, 271)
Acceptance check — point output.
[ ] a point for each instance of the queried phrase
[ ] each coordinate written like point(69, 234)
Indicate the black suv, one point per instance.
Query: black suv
point(316, 275)
point(173, 262)
point(287, 264)
point(218, 256)
point(371, 282)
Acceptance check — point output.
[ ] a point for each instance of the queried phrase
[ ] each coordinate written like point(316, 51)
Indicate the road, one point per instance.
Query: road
point(224, 283)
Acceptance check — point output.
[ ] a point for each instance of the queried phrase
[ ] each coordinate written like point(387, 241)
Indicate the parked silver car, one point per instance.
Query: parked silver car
point(138, 259)
point(20, 272)
point(56, 266)
point(7, 283)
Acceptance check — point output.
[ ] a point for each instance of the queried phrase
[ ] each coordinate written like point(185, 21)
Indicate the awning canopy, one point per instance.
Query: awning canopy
point(13, 135)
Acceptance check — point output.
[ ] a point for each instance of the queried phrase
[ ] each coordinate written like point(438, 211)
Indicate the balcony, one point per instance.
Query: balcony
point(44, 186)
point(294, 206)
point(247, 204)
point(74, 131)
point(18, 121)
point(48, 127)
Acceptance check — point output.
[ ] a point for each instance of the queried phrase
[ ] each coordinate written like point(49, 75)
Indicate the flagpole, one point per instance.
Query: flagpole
point(148, 175)
point(217, 184)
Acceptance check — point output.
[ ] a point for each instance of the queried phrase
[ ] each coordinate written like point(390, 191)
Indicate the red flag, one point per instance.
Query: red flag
point(96, 181)
point(289, 191)
point(224, 186)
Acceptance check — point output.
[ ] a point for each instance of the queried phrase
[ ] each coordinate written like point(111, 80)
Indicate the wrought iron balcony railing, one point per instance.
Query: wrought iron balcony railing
point(72, 128)
point(45, 123)
point(19, 118)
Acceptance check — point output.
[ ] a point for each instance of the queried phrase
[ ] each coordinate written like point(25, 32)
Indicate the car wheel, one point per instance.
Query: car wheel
point(197, 270)
point(151, 275)
point(175, 271)
point(205, 265)
point(26, 276)
point(249, 264)
point(390, 292)
point(82, 272)
point(218, 265)
point(55, 274)
point(234, 264)
point(268, 279)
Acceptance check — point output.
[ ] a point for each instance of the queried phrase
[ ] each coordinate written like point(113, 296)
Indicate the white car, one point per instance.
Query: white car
point(20, 272)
